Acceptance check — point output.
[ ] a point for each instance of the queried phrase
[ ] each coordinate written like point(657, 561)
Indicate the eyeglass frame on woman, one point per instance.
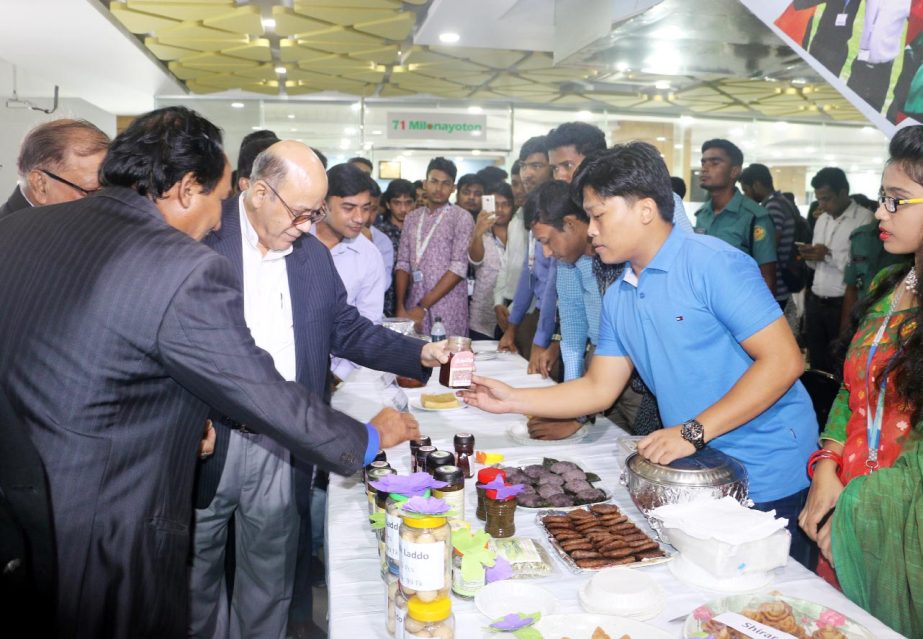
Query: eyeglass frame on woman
point(891, 203)
point(312, 216)
point(58, 178)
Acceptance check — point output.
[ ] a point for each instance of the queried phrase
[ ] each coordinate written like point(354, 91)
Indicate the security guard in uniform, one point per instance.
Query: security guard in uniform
point(867, 257)
point(728, 215)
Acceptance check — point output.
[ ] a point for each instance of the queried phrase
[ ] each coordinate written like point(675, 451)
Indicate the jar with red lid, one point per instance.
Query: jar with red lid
point(485, 476)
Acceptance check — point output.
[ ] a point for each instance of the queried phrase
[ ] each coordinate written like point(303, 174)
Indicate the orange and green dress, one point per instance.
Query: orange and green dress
point(846, 423)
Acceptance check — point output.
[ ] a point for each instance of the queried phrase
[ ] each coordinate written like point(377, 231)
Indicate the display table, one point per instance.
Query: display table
point(356, 591)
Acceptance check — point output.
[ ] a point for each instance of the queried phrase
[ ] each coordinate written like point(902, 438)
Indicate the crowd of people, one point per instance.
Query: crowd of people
point(141, 283)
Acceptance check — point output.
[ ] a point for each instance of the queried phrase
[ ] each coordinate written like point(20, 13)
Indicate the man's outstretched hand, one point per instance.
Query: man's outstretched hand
point(490, 395)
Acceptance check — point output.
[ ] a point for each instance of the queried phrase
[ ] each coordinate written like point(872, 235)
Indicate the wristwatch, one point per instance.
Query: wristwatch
point(694, 433)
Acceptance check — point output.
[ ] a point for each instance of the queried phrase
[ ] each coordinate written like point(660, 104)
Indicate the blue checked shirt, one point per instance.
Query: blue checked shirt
point(579, 304)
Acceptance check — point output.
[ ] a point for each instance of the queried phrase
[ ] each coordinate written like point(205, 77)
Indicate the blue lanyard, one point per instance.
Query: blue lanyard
point(873, 419)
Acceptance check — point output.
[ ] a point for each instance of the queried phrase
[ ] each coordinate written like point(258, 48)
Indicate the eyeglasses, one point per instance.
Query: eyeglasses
point(891, 203)
point(70, 184)
point(311, 216)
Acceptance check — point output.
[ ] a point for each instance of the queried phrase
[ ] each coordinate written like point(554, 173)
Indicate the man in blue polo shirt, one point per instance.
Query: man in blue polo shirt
point(696, 319)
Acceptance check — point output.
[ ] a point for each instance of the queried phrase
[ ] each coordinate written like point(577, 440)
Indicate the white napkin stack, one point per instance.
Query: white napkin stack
point(721, 519)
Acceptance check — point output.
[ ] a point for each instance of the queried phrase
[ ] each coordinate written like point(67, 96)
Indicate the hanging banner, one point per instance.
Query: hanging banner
point(422, 125)
point(868, 50)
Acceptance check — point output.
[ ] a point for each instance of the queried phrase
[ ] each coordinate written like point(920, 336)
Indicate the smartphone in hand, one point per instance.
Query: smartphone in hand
point(489, 204)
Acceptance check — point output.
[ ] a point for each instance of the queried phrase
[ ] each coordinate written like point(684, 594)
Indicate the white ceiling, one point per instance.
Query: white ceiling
point(73, 43)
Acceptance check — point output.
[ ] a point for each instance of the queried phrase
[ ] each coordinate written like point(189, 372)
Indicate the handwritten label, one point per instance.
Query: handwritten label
point(751, 628)
point(393, 538)
point(423, 566)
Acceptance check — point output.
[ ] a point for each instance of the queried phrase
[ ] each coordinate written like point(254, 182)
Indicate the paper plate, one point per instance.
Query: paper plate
point(582, 625)
point(417, 404)
point(505, 597)
point(484, 346)
point(808, 615)
point(688, 573)
point(519, 433)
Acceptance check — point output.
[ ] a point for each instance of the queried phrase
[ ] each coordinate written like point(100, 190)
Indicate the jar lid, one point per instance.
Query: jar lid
point(439, 458)
point(459, 343)
point(378, 473)
point(487, 475)
point(707, 467)
point(378, 464)
point(464, 438)
point(449, 473)
point(425, 522)
point(425, 440)
point(436, 610)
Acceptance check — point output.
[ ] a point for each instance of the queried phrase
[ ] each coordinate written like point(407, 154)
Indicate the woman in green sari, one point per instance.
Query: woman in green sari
point(875, 537)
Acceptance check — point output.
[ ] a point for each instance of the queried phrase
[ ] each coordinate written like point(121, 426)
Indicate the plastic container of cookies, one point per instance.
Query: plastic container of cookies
point(794, 616)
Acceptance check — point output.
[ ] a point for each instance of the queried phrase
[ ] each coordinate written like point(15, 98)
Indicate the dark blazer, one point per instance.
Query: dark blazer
point(323, 324)
point(117, 332)
point(27, 552)
point(15, 202)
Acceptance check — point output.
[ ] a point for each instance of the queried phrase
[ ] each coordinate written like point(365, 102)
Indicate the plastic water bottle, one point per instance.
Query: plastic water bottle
point(437, 332)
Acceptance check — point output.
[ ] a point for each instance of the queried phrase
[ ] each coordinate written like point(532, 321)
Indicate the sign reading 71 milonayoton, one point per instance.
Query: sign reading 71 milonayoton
point(406, 125)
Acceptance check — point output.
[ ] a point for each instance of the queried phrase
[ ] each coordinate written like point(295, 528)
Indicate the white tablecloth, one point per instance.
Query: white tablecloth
point(356, 590)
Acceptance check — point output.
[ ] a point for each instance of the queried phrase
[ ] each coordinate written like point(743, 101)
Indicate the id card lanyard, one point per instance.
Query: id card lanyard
point(843, 16)
point(873, 419)
point(422, 244)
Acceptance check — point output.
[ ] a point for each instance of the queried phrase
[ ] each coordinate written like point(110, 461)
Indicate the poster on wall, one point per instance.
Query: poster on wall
point(869, 50)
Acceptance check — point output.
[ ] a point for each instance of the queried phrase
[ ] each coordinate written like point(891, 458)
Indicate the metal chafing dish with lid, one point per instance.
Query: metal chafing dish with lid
point(708, 473)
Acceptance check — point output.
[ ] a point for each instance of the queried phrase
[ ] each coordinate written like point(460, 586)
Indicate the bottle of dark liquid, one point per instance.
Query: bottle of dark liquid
point(438, 458)
point(414, 445)
point(456, 373)
point(422, 453)
point(464, 449)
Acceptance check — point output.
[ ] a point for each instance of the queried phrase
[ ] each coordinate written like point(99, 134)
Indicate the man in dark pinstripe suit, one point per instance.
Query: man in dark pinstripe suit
point(118, 330)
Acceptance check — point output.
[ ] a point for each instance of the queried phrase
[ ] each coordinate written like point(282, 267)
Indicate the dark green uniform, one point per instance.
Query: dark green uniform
point(867, 256)
point(743, 224)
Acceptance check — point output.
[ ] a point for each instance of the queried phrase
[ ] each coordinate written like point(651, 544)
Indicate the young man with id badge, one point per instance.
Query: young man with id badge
point(432, 260)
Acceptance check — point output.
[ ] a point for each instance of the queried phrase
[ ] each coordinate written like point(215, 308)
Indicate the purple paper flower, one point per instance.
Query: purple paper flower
point(512, 622)
point(499, 571)
point(411, 485)
point(426, 506)
point(503, 489)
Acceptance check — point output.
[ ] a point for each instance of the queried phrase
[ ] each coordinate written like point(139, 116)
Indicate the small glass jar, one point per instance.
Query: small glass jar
point(457, 372)
point(374, 475)
point(438, 458)
point(422, 453)
point(500, 515)
point(485, 476)
point(414, 445)
point(381, 506)
point(426, 557)
point(461, 587)
point(429, 619)
point(464, 450)
point(396, 608)
point(393, 531)
point(453, 493)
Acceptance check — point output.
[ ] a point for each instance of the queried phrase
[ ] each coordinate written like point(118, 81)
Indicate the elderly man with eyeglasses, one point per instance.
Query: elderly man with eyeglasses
point(58, 162)
point(296, 308)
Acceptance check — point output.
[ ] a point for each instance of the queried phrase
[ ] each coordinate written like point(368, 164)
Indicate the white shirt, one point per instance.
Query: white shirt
point(517, 243)
point(267, 301)
point(359, 264)
point(834, 234)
